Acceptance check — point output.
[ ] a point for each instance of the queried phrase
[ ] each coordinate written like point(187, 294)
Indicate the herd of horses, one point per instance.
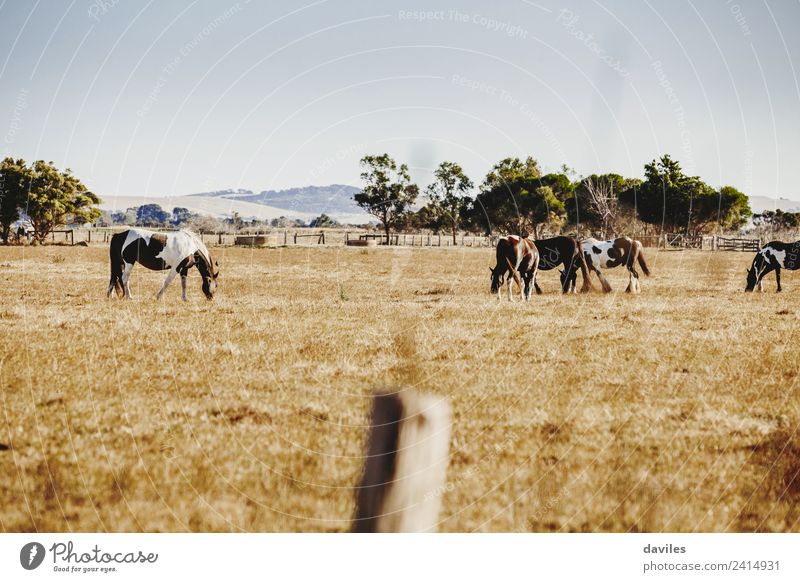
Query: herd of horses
point(518, 259)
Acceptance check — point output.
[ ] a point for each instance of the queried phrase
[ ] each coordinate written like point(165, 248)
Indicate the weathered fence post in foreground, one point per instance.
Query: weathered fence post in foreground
point(404, 472)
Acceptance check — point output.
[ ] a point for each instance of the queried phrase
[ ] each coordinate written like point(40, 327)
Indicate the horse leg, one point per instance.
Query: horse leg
point(126, 276)
point(762, 275)
point(603, 281)
point(530, 283)
point(116, 279)
point(167, 281)
point(565, 284)
point(536, 286)
point(778, 278)
point(183, 285)
point(633, 281)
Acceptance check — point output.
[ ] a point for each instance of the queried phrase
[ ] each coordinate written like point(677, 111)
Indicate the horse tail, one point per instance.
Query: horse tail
point(587, 283)
point(115, 255)
point(640, 258)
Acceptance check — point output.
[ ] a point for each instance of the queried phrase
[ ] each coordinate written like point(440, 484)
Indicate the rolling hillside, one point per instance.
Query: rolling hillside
point(304, 203)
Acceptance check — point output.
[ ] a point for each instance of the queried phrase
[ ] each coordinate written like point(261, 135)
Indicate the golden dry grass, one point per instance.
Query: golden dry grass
point(673, 410)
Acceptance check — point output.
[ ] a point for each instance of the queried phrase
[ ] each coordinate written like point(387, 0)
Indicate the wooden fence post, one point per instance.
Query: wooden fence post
point(404, 473)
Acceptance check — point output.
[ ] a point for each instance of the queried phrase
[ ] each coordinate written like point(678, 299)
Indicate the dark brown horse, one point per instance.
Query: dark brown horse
point(613, 253)
point(563, 251)
point(517, 259)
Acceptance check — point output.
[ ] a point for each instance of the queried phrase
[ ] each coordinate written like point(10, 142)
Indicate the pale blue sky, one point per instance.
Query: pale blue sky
point(169, 98)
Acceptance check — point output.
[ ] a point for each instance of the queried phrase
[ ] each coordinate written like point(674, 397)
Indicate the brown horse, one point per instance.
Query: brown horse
point(613, 253)
point(519, 258)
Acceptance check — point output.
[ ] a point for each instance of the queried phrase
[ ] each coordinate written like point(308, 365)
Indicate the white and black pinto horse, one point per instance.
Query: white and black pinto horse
point(158, 251)
point(613, 253)
point(518, 258)
point(773, 256)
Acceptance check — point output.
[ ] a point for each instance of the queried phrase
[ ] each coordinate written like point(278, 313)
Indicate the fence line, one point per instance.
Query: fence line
point(332, 237)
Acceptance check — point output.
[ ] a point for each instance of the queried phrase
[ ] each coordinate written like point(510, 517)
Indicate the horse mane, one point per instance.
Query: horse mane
point(201, 246)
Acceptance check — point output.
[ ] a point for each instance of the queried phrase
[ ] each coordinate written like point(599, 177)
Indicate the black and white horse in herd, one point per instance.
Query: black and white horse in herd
point(519, 259)
point(773, 256)
point(562, 251)
point(609, 254)
point(158, 251)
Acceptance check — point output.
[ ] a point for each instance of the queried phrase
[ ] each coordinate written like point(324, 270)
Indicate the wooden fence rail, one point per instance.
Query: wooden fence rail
point(737, 244)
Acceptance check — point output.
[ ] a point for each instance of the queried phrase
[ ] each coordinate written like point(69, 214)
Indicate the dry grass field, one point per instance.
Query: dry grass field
point(673, 410)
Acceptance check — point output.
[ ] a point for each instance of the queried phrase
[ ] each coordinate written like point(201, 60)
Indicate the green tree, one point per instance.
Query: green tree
point(686, 203)
point(513, 199)
point(560, 184)
point(388, 193)
point(151, 215)
point(323, 221)
point(422, 219)
point(449, 196)
point(777, 220)
point(180, 216)
point(56, 197)
point(14, 178)
point(734, 209)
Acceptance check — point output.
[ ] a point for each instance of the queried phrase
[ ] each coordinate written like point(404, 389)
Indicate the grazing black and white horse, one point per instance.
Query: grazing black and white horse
point(519, 258)
point(562, 251)
point(158, 251)
point(609, 254)
point(773, 256)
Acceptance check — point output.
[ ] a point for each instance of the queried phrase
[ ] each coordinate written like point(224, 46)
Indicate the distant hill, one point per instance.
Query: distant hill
point(335, 199)
point(220, 207)
point(761, 203)
point(304, 203)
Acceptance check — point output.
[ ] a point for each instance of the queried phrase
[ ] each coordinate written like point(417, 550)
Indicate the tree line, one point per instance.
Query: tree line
point(777, 220)
point(517, 197)
point(48, 197)
point(153, 215)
